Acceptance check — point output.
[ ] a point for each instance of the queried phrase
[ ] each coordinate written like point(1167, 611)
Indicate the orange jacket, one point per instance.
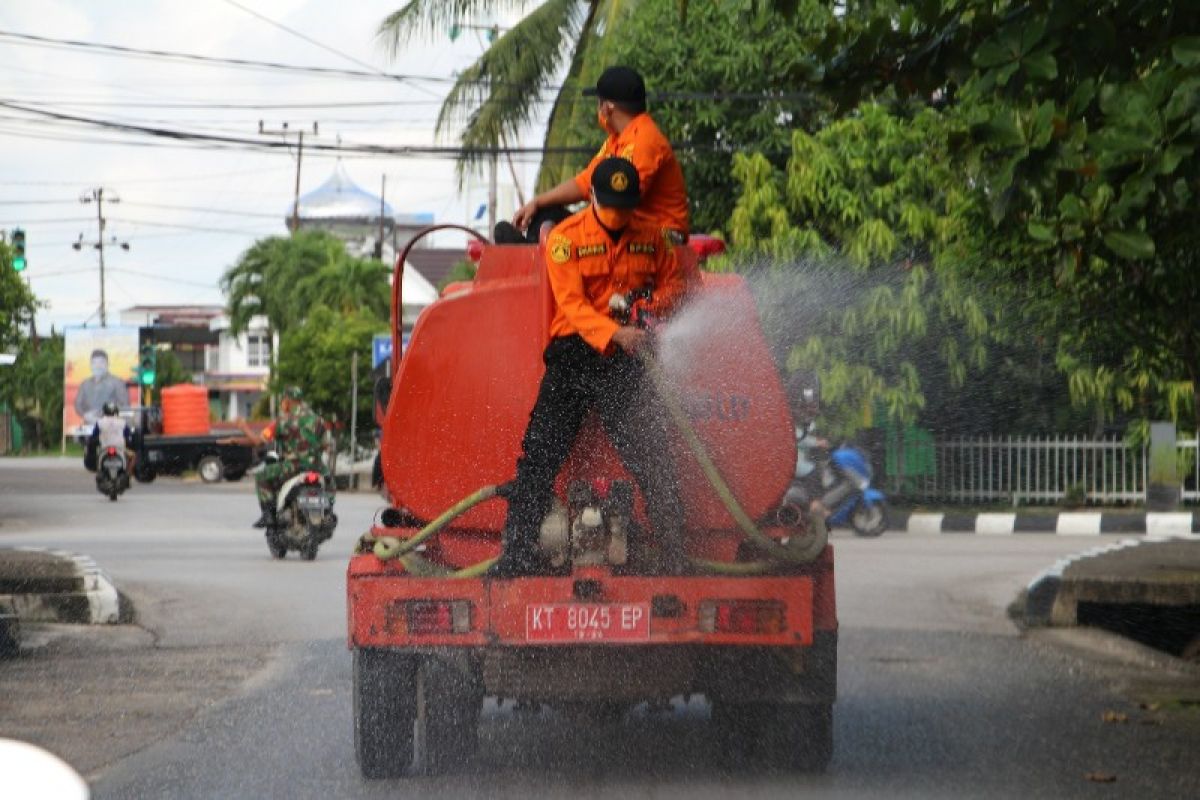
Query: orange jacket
point(586, 267)
point(664, 195)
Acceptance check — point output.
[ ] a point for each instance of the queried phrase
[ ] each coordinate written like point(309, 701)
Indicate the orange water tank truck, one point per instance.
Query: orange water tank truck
point(752, 628)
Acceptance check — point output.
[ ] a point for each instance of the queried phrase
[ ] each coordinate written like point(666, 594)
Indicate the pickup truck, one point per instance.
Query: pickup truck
point(216, 455)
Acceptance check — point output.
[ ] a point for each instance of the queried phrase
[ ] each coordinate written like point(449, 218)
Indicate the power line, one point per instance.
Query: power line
point(201, 209)
point(305, 37)
point(181, 226)
point(161, 179)
point(245, 63)
point(268, 144)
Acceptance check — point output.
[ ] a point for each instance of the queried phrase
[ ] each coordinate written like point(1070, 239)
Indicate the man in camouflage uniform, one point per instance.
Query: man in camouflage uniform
point(299, 434)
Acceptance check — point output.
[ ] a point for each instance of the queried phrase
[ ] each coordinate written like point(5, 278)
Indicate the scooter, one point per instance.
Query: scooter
point(112, 477)
point(304, 517)
point(841, 481)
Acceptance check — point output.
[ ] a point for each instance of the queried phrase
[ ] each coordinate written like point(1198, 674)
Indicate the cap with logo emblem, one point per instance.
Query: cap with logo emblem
point(616, 184)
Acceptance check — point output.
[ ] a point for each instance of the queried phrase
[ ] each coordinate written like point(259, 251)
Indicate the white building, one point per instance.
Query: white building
point(237, 367)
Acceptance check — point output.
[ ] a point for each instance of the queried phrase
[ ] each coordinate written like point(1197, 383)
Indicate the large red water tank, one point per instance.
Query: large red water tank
point(465, 387)
point(184, 410)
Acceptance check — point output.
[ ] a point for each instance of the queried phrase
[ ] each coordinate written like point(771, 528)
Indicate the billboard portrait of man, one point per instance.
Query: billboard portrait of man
point(102, 387)
point(99, 366)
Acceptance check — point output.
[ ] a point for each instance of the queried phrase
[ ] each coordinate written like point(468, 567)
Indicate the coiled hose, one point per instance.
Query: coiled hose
point(798, 550)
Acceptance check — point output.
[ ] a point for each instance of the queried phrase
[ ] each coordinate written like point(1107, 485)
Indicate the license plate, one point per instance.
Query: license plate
point(587, 622)
point(310, 501)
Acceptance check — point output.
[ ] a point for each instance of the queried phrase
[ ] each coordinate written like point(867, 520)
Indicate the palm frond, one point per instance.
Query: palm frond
point(499, 94)
point(434, 18)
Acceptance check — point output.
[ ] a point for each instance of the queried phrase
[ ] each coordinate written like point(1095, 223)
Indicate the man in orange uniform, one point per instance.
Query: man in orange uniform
point(632, 135)
point(591, 365)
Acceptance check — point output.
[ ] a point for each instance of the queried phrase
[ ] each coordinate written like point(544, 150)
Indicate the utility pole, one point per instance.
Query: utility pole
point(353, 417)
point(285, 132)
point(96, 196)
point(382, 192)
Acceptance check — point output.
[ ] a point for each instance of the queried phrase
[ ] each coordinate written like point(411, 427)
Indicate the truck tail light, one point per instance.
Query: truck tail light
point(742, 616)
point(438, 616)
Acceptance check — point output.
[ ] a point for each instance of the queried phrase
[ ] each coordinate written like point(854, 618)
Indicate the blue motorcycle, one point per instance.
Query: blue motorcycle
point(841, 481)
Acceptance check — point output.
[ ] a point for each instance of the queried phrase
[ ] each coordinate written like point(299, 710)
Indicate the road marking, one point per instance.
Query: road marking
point(1080, 523)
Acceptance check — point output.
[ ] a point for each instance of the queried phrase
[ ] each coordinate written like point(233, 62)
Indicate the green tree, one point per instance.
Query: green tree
point(33, 388)
point(263, 282)
point(169, 372)
point(721, 83)
point(1083, 138)
point(17, 302)
point(505, 88)
point(316, 355)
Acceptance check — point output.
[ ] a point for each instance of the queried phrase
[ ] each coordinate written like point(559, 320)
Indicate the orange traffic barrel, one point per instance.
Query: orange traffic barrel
point(185, 410)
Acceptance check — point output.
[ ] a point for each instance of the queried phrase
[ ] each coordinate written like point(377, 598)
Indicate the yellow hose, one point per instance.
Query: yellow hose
point(389, 547)
point(806, 550)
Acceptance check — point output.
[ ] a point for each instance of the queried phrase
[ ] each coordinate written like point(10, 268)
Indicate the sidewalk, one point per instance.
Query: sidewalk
point(1145, 590)
point(40, 585)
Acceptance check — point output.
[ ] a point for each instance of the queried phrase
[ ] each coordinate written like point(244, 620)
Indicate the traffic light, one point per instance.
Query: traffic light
point(18, 240)
point(148, 365)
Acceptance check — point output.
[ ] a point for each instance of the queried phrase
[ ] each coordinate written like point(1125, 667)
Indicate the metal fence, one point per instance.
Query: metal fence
point(1027, 469)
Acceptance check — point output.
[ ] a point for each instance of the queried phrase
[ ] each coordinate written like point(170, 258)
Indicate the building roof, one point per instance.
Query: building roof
point(341, 198)
point(181, 316)
point(435, 263)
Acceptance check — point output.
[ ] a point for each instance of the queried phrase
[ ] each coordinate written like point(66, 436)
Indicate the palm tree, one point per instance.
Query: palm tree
point(347, 285)
point(502, 91)
point(264, 280)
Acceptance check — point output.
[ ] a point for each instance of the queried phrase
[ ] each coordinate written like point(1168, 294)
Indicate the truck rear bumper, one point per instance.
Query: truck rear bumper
point(678, 648)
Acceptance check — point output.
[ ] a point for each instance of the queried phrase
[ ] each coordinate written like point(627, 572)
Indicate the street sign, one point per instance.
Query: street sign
point(381, 348)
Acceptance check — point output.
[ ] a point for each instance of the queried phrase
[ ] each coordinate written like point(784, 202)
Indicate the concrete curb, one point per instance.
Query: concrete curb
point(1153, 525)
point(90, 598)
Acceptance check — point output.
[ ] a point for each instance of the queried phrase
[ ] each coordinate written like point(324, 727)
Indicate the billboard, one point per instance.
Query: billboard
point(99, 366)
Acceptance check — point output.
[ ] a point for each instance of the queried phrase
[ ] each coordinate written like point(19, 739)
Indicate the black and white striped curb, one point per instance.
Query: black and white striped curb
point(1070, 523)
point(92, 598)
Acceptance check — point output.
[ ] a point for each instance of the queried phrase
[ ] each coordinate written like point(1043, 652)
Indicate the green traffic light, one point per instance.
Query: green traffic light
point(19, 261)
point(147, 369)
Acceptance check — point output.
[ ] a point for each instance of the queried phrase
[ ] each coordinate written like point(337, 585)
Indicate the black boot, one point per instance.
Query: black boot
point(266, 519)
point(506, 233)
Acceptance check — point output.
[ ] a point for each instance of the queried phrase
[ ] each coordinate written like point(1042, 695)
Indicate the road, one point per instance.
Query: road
point(235, 682)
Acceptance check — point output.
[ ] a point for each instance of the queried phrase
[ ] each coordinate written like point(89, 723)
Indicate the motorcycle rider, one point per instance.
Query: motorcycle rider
point(299, 433)
point(112, 431)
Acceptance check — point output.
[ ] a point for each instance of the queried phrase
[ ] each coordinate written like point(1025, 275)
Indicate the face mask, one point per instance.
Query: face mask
point(605, 122)
point(614, 219)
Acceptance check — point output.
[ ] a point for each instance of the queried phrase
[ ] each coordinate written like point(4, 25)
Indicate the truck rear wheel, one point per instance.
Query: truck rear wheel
point(384, 711)
point(448, 701)
point(795, 736)
point(211, 469)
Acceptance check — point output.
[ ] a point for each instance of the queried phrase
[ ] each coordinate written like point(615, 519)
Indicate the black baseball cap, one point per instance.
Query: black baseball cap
point(620, 85)
point(615, 182)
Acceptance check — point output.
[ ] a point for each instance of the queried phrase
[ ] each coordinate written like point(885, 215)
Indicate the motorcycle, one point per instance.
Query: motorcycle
point(841, 481)
point(112, 477)
point(304, 516)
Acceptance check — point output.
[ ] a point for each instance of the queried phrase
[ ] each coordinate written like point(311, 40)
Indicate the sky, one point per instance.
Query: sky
point(187, 211)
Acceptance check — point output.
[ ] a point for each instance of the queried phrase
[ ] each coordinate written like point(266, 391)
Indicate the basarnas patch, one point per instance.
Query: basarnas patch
point(560, 249)
point(642, 247)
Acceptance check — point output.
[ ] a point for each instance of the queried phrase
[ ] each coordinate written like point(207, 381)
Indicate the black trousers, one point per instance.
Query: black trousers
point(579, 380)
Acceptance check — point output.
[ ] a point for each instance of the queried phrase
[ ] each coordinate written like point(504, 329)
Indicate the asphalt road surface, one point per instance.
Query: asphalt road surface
point(235, 681)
